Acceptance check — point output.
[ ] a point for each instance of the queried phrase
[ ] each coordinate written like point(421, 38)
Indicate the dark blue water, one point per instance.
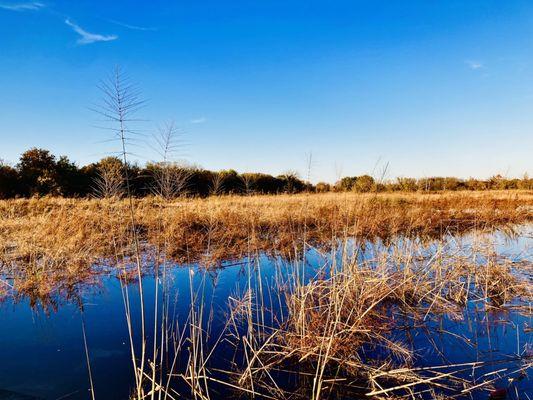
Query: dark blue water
point(42, 349)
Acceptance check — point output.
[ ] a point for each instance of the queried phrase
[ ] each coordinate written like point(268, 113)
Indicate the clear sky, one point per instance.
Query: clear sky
point(430, 87)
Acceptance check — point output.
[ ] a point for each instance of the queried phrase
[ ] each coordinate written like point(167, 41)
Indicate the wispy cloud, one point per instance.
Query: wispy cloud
point(200, 120)
point(28, 6)
point(132, 27)
point(473, 65)
point(87, 37)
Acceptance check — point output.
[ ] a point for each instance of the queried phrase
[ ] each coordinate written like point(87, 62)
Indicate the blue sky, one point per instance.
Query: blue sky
point(429, 87)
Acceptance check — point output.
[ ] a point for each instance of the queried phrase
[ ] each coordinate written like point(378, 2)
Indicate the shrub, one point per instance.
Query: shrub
point(9, 182)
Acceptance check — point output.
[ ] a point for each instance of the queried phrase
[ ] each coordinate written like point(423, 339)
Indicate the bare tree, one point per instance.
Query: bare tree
point(171, 177)
point(248, 183)
point(110, 180)
point(217, 184)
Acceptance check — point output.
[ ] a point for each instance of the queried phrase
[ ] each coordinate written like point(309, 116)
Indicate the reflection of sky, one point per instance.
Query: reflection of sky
point(43, 354)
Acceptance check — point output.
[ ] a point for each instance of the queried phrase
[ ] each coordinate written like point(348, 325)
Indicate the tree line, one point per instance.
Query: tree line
point(366, 183)
point(40, 173)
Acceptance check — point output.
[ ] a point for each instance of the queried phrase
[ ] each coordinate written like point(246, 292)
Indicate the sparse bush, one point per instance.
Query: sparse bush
point(364, 184)
point(323, 187)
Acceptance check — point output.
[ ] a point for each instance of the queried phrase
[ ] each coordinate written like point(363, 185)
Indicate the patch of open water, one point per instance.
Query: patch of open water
point(42, 351)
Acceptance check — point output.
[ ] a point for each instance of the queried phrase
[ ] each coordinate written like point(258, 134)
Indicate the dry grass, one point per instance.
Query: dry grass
point(335, 329)
point(51, 242)
point(66, 228)
point(338, 330)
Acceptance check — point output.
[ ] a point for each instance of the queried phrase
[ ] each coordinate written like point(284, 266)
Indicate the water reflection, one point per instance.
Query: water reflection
point(43, 355)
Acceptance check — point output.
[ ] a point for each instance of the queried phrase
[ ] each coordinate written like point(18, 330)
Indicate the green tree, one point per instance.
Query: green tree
point(72, 181)
point(451, 183)
point(526, 182)
point(475, 184)
point(38, 173)
point(497, 182)
point(323, 187)
point(407, 184)
point(291, 182)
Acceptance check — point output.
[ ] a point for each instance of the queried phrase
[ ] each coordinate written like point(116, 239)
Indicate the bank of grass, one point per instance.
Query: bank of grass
point(78, 230)
point(46, 242)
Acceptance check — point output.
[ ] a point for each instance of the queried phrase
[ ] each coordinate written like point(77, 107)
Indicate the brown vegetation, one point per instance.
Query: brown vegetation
point(79, 230)
point(339, 327)
point(51, 242)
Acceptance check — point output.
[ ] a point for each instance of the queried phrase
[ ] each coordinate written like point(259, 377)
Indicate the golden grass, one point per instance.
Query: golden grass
point(63, 228)
point(68, 235)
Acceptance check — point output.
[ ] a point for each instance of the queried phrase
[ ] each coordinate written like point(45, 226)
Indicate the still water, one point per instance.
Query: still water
point(42, 350)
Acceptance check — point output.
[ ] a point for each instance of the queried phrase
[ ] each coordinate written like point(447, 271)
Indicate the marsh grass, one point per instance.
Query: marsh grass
point(337, 329)
point(73, 234)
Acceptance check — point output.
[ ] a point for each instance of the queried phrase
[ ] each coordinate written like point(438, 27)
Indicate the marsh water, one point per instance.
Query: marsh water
point(42, 351)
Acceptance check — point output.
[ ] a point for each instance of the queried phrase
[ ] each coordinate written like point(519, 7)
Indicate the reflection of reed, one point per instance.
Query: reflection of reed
point(338, 320)
point(333, 324)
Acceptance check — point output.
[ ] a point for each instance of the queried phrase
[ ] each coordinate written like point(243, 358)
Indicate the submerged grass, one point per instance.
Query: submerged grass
point(338, 334)
point(327, 332)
